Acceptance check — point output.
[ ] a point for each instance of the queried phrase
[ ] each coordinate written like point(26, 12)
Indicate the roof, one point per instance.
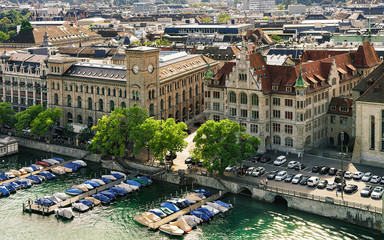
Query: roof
point(338, 102)
point(218, 52)
point(181, 65)
point(97, 71)
point(374, 93)
point(365, 83)
point(223, 73)
point(366, 56)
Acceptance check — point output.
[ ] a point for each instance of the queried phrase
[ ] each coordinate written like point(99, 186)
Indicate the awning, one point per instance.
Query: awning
point(351, 67)
point(319, 77)
point(342, 71)
point(312, 80)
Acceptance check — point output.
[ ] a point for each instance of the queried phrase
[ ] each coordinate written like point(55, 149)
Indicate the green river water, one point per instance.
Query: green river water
point(249, 219)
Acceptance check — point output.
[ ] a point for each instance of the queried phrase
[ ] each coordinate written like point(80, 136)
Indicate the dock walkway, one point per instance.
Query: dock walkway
point(187, 210)
point(32, 207)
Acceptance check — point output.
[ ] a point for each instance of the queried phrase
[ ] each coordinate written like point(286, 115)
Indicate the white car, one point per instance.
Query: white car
point(258, 172)
point(313, 181)
point(230, 169)
point(358, 175)
point(375, 179)
point(249, 171)
point(281, 176)
point(331, 186)
point(292, 164)
point(297, 178)
point(367, 177)
point(280, 160)
point(348, 175)
point(377, 192)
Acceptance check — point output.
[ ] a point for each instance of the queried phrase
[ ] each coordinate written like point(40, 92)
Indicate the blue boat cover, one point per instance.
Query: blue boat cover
point(117, 175)
point(204, 192)
point(24, 183)
point(200, 214)
point(72, 166)
point(106, 180)
point(118, 190)
point(34, 178)
point(9, 187)
point(4, 191)
point(87, 203)
point(58, 159)
point(15, 185)
point(74, 191)
point(109, 194)
point(171, 206)
point(45, 202)
point(3, 177)
point(158, 212)
point(92, 183)
point(206, 211)
point(102, 198)
point(34, 167)
point(146, 178)
point(47, 175)
point(134, 183)
point(223, 204)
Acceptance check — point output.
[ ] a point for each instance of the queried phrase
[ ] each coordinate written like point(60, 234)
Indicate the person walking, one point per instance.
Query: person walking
point(266, 182)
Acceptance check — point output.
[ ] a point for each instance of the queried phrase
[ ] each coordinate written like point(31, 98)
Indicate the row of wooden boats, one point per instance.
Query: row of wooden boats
point(184, 223)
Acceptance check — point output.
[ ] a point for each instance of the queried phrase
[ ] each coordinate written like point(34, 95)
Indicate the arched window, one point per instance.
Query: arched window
point(123, 105)
point(102, 91)
point(114, 92)
point(125, 93)
point(79, 119)
point(151, 110)
point(92, 89)
point(112, 105)
point(98, 90)
point(69, 117)
point(162, 104)
point(133, 95)
point(232, 97)
point(153, 94)
point(58, 86)
point(90, 103)
point(183, 95)
point(177, 98)
point(169, 102)
point(81, 88)
point(243, 98)
point(255, 100)
point(137, 95)
point(120, 93)
point(90, 122)
point(197, 89)
point(56, 99)
point(77, 88)
point(149, 94)
point(101, 105)
point(288, 142)
point(109, 92)
point(276, 140)
point(86, 89)
point(53, 85)
point(69, 101)
point(79, 102)
point(190, 92)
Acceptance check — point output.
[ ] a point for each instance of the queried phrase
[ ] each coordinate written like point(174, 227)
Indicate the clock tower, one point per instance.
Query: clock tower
point(143, 82)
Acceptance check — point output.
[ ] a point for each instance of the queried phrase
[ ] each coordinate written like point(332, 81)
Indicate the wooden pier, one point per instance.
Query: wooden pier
point(33, 207)
point(186, 210)
point(35, 172)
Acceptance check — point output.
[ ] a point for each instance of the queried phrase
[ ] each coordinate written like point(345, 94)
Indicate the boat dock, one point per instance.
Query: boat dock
point(187, 210)
point(32, 207)
point(35, 172)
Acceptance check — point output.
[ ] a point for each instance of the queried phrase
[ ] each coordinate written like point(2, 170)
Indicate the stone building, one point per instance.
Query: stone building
point(286, 106)
point(340, 120)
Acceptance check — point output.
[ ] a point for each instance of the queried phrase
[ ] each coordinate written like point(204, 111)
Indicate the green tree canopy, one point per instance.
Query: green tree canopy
point(170, 138)
point(144, 133)
point(162, 42)
point(206, 20)
point(25, 118)
point(223, 18)
point(44, 122)
point(223, 143)
point(25, 25)
point(6, 114)
point(69, 131)
point(85, 134)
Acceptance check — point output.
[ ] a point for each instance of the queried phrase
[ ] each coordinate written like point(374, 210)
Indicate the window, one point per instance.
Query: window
point(162, 104)
point(56, 99)
point(53, 85)
point(216, 118)
point(111, 105)
point(216, 106)
point(151, 110)
point(232, 97)
point(276, 101)
point(169, 102)
point(276, 113)
point(79, 102)
point(288, 102)
point(289, 142)
point(276, 140)
point(243, 98)
point(300, 104)
point(90, 103)
point(190, 93)
point(255, 100)
point(101, 105)
point(232, 112)
point(289, 115)
point(69, 101)
point(102, 91)
point(255, 114)
point(123, 105)
point(276, 127)
point(343, 109)
point(216, 94)
point(344, 120)
point(177, 98)
point(300, 117)
point(288, 129)
point(184, 95)
point(254, 128)
point(244, 113)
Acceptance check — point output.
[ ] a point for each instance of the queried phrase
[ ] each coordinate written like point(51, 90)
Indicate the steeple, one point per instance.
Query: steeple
point(300, 83)
point(208, 74)
point(46, 42)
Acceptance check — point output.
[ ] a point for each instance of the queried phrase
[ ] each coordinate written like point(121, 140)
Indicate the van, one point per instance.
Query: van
point(313, 181)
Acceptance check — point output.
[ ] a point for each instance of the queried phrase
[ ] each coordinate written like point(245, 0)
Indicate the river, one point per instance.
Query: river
point(249, 219)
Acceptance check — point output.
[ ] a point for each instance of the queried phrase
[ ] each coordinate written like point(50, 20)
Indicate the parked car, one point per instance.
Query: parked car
point(340, 172)
point(297, 178)
point(289, 177)
point(382, 180)
point(189, 161)
point(230, 169)
point(340, 186)
point(272, 174)
point(300, 166)
point(170, 157)
point(322, 184)
point(332, 171)
point(375, 179)
point(338, 179)
point(313, 181)
point(258, 172)
point(280, 160)
point(358, 175)
point(348, 175)
point(350, 188)
point(366, 191)
point(200, 163)
point(367, 177)
point(331, 186)
point(249, 171)
point(281, 176)
point(257, 158)
point(292, 164)
point(324, 170)
point(265, 159)
point(377, 193)
point(304, 180)
point(315, 169)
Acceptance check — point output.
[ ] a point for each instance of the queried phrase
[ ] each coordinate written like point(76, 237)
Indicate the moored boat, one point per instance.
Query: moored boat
point(227, 205)
point(158, 212)
point(47, 175)
point(59, 170)
point(192, 220)
point(99, 181)
point(143, 220)
point(90, 204)
point(110, 177)
point(211, 209)
point(80, 162)
point(80, 207)
point(60, 195)
point(65, 213)
point(74, 191)
point(81, 187)
point(171, 206)
point(217, 206)
point(201, 215)
point(166, 210)
point(151, 216)
point(15, 173)
point(4, 191)
point(94, 200)
point(118, 190)
point(102, 198)
point(171, 230)
point(92, 183)
point(182, 224)
point(44, 164)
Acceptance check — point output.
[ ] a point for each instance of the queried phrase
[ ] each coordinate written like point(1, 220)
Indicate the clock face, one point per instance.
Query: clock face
point(135, 69)
point(150, 68)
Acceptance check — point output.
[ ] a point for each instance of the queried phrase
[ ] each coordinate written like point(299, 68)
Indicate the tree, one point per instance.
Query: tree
point(223, 18)
point(144, 133)
point(25, 118)
point(281, 7)
point(276, 38)
point(85, 134)
point(3, 36)
point(69, 131)
point(223, 143)
point(162, 42)
point(113, 132)
point(6, 114)
point(44, 122)
point(206, 20)
point(25, 25)
point(170, 138)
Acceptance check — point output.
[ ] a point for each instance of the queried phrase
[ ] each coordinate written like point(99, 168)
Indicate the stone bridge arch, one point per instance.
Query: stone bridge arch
point(245, 190)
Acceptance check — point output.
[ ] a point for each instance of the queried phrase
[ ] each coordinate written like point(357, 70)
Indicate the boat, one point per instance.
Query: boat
point(171, 206)
point(67, 170)
point(171, 230)
point(106, 180)
point(58, 159)
point(118, 175)
point(110, 177)
point(166, 210)
point(51, 162)
point(45, 202)
point(24, 183)
point(134, 183)
point(158, 212)
point(59, 170)
point(42, 178)
point(80, 207)
point(217, 206)
point(4, 191)
point(143, 182)
point(177, 203)
point(193, 197)
point(201, 215)
point(191, 220)
point(126, 187)
point(15, 173)
point(34, 178)
point(211, 209)
point(22, 171)
point(102, 198)
point(182, 224)
point(61, 196)
point(90, 204)
point(147, 179)
point(151, 216)
point(54, 199)
point(3, 176)
point(227, 205)
point(80, 162)
point(81, 187)
point(65, 213)
point(111, 195)
point(118, 190)
point(88, 186)
point(92, 183)
point(15, 185)
point(74, 191)
point(9, 175)
point(44, 164)
point(204, 192)
point(200, 195)
point(72, 166)
point(93, 200)
point(36, 167)
point(28, 169)
point(100, 182)
point(206, 211)
point(143, 220)
point(47, 175)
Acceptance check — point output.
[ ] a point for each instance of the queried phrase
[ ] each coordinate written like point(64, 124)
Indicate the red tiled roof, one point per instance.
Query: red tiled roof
point(338, 102)
point(222, 74)
point(313, 55)
point(256, 62)
point(366, 56)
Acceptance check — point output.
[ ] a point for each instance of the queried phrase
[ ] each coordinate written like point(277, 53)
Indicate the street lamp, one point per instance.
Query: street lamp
point(342, 162)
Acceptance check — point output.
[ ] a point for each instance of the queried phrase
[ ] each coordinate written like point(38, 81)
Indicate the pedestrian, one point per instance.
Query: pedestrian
point(266, 182)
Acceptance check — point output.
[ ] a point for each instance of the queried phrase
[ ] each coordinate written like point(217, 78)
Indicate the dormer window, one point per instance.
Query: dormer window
point(333, 108)
point(288, 89)
point(274, 88)
point(343, 109)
